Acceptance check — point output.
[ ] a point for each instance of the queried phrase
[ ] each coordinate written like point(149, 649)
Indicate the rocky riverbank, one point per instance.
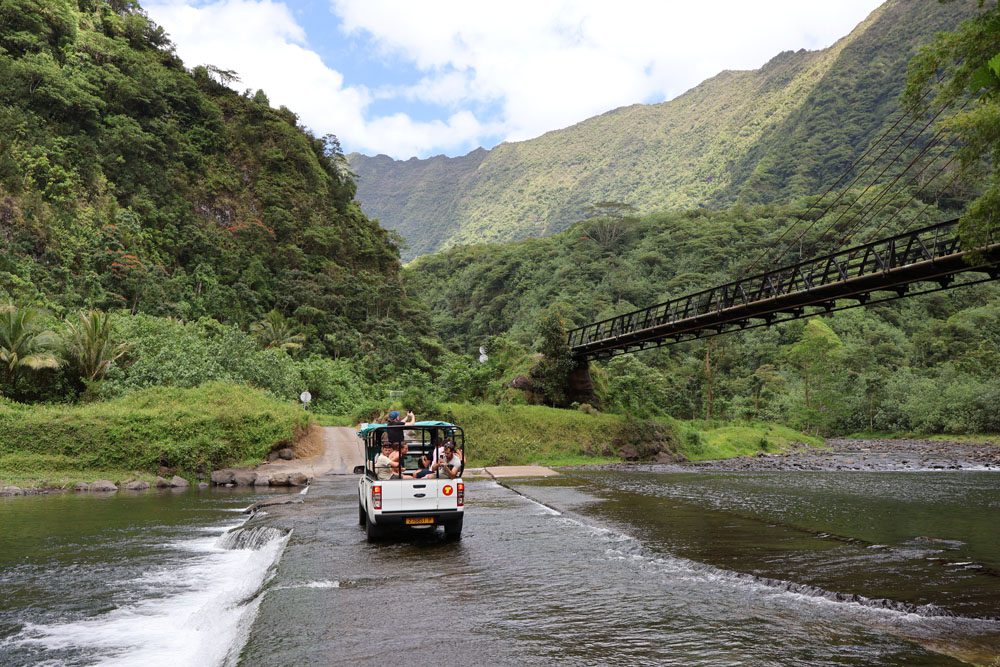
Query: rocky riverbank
point(870, 455)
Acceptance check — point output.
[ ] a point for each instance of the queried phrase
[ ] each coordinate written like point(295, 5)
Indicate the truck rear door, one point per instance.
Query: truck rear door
point(447, 493)
point(418, 494)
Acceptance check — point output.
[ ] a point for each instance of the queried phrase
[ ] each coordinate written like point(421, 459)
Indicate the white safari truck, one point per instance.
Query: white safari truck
point(408, 481)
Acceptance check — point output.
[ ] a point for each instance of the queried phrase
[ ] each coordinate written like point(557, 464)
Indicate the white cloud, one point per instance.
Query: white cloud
point(557, 62)
point(264, 44)
point(524, 66)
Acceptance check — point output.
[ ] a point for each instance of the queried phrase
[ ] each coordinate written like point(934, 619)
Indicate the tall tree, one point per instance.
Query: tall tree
point(817, 356)
point(90, 344)
point(276, 330)
point(956, 65)
point(24, 345)
point(551, 375)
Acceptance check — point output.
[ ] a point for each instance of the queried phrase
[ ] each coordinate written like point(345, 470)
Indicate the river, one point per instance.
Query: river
point(591, 567)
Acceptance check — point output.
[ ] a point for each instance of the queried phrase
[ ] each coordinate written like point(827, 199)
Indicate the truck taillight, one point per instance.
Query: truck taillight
point(377, 497)
point(461, 494)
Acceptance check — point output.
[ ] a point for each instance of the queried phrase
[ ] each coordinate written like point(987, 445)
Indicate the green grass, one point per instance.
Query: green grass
point(326, 419)
point(55, 472)
point(975, 438)
point(721, 441)
point(192, 430)
point(530, 434)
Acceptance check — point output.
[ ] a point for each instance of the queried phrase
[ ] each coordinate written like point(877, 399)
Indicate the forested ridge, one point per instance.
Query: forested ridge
point(787, 130)
point(128, 181)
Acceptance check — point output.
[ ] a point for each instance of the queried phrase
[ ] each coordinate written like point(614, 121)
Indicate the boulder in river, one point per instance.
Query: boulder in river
point(136, 485)
point(667, 457)
point(178, 482)
point(262, 480)
point(279, 479)
point(297, 479)
point(103, 486)
point(162, 483)
point(11, 491)
point(224, 476)
point(81, 486)
point(244, 477)
point(629, 453)
point(203, 485)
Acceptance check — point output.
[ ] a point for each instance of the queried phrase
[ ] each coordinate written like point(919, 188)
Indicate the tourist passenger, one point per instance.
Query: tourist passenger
point(449, 466)
point(439, 450)
point(384, 467)
point(394, 427)
point(425, 467)
point(397, 458)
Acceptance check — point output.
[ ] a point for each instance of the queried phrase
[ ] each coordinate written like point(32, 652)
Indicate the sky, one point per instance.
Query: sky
point(417, 78)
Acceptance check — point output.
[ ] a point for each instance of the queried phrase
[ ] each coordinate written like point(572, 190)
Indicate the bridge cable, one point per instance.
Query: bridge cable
point(874, 208)
point(845, 174)
point(913, 195)
point(866, 189)
point(914, 218)
point(871, 209)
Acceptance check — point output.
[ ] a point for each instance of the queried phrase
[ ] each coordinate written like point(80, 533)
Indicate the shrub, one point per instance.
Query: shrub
point(210, 426)
point(335, 387)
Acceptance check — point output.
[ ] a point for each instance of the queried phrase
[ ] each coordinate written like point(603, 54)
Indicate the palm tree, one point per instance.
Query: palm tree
point(275, 330)
point(89, 344)
point(23, 346)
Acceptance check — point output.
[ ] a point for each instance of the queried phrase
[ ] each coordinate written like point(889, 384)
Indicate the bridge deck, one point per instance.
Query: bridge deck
point(931, 254)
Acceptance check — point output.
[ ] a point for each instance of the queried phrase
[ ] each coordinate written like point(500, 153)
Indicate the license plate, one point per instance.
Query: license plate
point(418, 520)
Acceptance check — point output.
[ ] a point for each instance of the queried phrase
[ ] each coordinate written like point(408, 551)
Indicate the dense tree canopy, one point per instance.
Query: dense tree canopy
point(127, 181)
point(956, 66)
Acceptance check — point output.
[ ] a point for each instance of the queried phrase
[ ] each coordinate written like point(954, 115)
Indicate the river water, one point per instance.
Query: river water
point(591, 567)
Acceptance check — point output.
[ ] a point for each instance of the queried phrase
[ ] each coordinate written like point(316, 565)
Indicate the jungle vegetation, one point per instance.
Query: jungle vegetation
point(172, 246)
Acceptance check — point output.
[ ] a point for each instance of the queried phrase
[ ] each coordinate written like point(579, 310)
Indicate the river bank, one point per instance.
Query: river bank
point(860, 454)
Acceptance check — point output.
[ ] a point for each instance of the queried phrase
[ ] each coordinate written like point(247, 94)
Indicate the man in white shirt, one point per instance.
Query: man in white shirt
point(448, 465)
point(383, 463)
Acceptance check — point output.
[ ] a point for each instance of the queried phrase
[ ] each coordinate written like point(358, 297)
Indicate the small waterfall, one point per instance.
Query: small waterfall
point(925, 610)
point(205, 618)
point(249, 537)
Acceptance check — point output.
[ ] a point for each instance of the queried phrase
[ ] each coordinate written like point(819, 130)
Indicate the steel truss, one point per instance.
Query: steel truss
point(893, 265)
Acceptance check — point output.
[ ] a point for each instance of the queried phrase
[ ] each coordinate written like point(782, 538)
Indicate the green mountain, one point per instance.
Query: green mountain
point(786, 130)
point(128, 181)
point(923, 364)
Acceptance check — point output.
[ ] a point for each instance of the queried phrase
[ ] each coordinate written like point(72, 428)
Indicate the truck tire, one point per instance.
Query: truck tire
point(372, 531)
point(453, 529)
point(362, 514)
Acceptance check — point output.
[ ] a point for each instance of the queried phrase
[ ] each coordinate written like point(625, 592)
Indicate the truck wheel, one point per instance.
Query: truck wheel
point(362, 514)
point(453, 529)
point(373, 531)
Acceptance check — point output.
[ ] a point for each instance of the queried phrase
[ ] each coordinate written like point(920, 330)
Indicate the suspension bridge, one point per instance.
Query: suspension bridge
point(920, 260)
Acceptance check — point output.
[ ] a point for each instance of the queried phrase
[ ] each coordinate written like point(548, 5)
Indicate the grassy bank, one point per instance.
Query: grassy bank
point(519, 435)
point(975, 438)
point(720, 440)
point(190, 430)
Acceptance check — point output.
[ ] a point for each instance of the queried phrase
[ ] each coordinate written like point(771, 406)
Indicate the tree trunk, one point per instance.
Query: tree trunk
point(708, 381)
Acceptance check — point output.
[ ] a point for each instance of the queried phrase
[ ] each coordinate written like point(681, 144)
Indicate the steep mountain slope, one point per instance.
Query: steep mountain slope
point(771, 134)
point(128, 181)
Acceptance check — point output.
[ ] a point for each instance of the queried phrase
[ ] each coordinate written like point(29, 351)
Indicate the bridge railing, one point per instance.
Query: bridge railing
point(927, 243)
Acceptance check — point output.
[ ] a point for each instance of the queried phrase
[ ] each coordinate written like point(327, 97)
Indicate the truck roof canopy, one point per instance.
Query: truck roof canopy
point(368, 428)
